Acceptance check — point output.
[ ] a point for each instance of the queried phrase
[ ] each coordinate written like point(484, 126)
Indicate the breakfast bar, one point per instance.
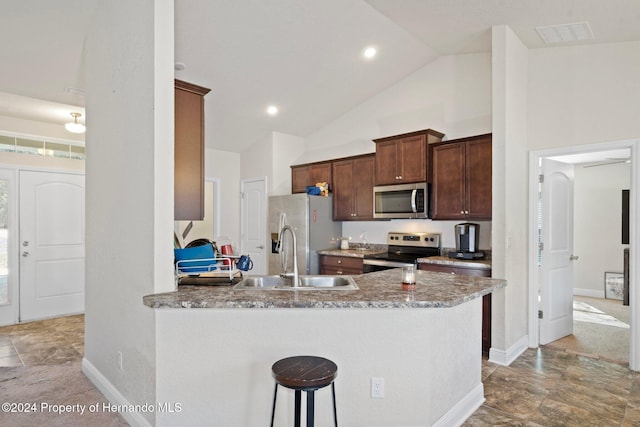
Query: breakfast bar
point(216, 344)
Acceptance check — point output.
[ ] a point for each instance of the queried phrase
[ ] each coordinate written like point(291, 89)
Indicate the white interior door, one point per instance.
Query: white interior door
point(52, 235)
point(556, 268)
point(253, 224)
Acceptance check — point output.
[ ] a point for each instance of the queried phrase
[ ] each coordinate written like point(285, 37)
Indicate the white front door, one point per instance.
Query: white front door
point(52, 243)
point(556, 268)
point(254, 224)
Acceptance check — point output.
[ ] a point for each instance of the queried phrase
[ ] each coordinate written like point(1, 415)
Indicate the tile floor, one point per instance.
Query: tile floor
point(45, 342)
point(543, 387)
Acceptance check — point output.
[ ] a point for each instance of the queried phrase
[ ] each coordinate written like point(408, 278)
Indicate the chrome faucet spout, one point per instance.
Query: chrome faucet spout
point(295, 275)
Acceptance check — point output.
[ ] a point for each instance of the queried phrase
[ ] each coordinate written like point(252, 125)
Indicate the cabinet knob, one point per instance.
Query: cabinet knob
point(338, 271)
point(462, 212)
point(466, 212)
point(339, 261)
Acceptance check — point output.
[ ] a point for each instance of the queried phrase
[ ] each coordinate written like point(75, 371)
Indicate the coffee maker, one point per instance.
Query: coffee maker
point(467, 238)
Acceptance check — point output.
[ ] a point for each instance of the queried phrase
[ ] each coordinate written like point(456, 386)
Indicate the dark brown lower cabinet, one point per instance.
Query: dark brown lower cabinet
point(486, 300)
point(338, 265)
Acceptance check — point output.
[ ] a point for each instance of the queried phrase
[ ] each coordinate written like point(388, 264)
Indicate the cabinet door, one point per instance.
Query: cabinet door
point(448, 190)
point(478, 184)
point(300, 178)
point(320, 173)
point(310, 174)
point(386, 159)
point(412, 159)
point(189, 151)
point(343, 182)
point(364, 171)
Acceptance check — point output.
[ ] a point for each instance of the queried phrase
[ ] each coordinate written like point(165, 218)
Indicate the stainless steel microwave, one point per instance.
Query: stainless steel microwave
point(401, 201)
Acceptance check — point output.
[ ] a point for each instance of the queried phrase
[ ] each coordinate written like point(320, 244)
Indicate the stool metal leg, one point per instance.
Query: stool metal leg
point(297, 409)
point(310, 407)
point(273, 408)
point(335, 413)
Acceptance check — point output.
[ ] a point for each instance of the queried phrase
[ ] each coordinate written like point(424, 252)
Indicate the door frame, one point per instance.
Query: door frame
point(13, 278)
point(634, 237)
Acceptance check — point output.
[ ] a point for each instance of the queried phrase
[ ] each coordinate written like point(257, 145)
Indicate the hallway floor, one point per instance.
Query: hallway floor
point(543, 387)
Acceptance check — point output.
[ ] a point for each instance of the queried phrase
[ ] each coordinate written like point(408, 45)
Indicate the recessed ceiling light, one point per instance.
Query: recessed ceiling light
point(272, 110)
point(369, 52)
point(565, 33)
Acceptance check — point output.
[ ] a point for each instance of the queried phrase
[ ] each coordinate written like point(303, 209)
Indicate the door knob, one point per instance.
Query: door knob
point(25, 254)
point(25, 243)
point(260, 247)
point(573, 258)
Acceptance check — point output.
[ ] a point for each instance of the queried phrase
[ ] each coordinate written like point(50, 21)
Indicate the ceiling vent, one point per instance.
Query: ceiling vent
point(565, 33)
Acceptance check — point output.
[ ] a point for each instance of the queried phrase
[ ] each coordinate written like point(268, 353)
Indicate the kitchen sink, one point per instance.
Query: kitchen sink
point(343, 283)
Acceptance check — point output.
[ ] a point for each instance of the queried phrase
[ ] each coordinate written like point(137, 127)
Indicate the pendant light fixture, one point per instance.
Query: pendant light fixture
point(74, 126)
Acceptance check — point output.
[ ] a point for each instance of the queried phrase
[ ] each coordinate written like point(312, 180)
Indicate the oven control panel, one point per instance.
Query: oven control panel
point(424, 240)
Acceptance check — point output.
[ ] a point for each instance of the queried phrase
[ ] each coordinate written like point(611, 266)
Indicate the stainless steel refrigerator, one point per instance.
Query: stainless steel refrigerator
point(311, 218)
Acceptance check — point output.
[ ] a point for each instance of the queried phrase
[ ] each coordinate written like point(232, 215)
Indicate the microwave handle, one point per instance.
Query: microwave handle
point(413, 200)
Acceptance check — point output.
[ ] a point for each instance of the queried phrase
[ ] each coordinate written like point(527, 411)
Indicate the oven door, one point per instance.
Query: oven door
point(370, 265)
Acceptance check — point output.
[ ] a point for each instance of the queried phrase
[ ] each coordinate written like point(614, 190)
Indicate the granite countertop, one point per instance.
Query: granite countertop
point(380, 289)
point(355, 252)
point(481, 264)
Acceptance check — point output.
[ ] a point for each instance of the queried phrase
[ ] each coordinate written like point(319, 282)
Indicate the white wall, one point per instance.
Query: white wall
point(451, 95)
point(583, 94)
point(272, 157)
point(509, 205)
point(425, 371)
point(225, 166)
point(597, 225)
point(129, 181)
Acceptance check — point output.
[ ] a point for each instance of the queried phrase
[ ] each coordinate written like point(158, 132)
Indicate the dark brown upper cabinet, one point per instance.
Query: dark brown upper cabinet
point(189, 151)
point(404, 158)
point(462, 179)
point(353, 180)
point(310, 174)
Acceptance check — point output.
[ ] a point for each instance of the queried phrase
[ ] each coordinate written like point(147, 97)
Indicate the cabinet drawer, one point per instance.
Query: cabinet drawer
point(339, 271)
point(455, 270)
point(341, 263)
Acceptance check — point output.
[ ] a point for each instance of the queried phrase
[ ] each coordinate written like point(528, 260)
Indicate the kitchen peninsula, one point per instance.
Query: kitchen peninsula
point(216, 345)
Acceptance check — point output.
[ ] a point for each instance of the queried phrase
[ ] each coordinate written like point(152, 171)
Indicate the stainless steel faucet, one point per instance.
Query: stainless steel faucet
point(295, 275)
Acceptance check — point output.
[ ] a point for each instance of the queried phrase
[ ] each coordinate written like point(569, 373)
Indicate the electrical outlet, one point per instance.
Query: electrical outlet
point(120, 360)
point(377, 387)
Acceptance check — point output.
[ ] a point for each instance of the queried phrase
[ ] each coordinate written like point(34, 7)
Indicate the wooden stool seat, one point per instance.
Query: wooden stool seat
point(308, 374)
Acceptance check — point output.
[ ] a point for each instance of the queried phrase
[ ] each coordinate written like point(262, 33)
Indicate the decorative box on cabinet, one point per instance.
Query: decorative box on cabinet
point(353, 180)
point(338, 265)
point(189, 151)
point(309, 174)
point(404, 158)
point(486, 300)
point(462, 178)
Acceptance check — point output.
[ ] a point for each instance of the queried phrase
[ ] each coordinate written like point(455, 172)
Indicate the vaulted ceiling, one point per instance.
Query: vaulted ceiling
point(302, 55)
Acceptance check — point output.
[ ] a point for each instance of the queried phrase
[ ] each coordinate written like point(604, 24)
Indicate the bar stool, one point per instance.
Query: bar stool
point(304, 373)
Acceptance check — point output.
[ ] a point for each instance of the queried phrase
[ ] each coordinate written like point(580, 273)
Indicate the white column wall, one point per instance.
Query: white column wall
point(510, 218)
point(129, 204)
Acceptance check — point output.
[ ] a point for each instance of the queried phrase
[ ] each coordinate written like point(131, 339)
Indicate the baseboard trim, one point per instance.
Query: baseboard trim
point(462, 410)
point(588, 293)
point(505, 358)
point(112, 394)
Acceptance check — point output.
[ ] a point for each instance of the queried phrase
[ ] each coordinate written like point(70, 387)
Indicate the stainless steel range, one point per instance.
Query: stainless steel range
point(403, 249)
